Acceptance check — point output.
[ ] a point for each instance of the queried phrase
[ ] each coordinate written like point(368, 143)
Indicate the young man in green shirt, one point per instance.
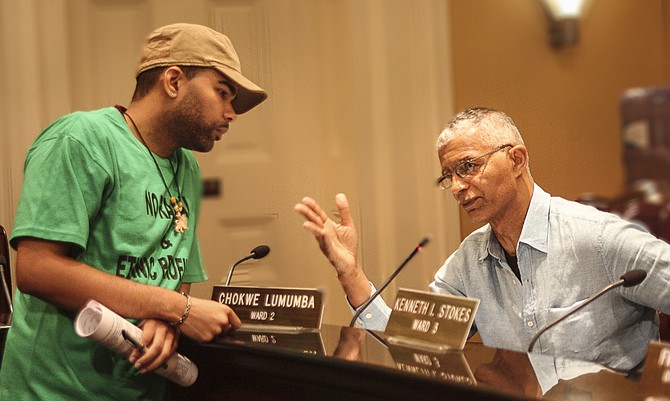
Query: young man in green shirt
point(108, 211)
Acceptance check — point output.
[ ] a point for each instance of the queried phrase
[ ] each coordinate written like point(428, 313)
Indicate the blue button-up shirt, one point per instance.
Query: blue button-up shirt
point(567, 252)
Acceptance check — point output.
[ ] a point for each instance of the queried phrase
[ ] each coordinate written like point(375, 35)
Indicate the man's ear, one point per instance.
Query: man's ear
point(519, 156)
point(170, 83)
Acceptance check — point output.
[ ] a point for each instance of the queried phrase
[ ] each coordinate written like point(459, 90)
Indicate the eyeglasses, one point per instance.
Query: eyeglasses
point(465, 168)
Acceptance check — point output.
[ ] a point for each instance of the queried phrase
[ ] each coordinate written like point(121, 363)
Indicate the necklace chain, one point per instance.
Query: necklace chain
point(180, 215)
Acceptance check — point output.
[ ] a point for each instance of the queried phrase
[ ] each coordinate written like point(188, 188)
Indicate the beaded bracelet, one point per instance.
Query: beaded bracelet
point(186, 311)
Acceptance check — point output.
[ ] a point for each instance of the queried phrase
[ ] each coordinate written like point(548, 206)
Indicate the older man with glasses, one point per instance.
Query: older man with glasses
point(536, 257)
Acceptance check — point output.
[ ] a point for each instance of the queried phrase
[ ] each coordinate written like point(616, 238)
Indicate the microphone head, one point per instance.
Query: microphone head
point(260, 251)
point(633, 277)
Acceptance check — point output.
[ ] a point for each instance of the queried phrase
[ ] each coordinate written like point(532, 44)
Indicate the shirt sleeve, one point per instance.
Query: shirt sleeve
point(626, 246)
point(375, 316)
point(61, 194)
point(447, 280)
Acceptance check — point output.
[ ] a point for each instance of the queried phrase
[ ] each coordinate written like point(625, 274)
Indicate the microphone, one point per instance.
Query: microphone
point(8, 297)
point(259, 252)
point(629, 279)
point(367, 303)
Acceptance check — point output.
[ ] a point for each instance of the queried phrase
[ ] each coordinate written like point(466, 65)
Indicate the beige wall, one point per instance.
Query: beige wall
point(565, 101)
point(358, 90)
point(403, 53)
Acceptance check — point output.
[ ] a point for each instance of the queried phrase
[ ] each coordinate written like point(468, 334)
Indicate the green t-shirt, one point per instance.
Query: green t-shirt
point(89, 182)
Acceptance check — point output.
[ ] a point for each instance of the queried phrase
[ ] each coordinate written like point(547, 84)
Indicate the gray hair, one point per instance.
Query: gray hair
point(491, 127)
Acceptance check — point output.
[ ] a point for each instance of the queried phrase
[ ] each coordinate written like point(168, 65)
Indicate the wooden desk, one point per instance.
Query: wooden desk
point(342, 363)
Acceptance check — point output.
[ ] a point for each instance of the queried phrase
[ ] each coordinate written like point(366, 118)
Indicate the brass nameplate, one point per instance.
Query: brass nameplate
point(450, 366)
point(269, 308)
point(655, 378)
point(430, 320)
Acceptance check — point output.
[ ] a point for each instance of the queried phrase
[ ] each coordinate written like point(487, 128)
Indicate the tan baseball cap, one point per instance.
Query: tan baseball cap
point(200, 46)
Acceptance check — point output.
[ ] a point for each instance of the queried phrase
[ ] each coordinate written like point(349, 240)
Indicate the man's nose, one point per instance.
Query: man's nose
point(458, 184)
point(229, 113)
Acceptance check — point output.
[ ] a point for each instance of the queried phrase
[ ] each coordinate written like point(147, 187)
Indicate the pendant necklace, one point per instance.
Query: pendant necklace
point(180, 219)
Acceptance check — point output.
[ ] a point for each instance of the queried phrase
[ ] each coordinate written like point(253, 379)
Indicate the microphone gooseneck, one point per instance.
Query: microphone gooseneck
point(629, 279)
point(367, 303)
point(259, 252)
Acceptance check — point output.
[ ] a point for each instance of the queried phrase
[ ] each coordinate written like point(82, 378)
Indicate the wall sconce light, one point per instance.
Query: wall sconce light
point(564, 18)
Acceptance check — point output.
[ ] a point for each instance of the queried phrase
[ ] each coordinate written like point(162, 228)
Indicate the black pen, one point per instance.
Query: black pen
point(137, 345)
point(132, 341)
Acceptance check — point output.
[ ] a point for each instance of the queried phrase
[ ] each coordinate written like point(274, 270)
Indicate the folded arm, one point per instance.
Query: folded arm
point(45, 269)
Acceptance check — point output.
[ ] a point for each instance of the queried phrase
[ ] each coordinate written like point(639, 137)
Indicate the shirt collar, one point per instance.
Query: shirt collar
point(535, 231)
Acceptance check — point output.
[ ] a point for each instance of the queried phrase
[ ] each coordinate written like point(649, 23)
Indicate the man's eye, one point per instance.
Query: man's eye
point(466, 168)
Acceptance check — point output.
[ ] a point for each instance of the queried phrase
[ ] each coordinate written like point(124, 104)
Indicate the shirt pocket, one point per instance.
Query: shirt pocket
point(574, 335)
